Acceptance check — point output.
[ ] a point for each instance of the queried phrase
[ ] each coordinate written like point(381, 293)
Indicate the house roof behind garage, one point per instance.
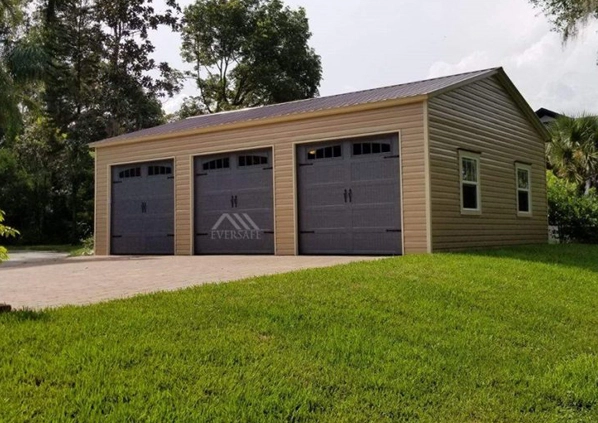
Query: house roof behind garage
point(376, 95)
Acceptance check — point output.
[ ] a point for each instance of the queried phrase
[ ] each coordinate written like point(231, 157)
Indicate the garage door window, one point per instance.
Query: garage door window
point(159, 170)
point(325, 152)
point(133, 172)
point(470, 182)
point(363, 148)
point(524, 194)
point(246, 161)
point(223, 163)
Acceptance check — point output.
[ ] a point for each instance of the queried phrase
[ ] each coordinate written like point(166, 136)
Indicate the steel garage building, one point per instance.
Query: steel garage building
point(448, 163)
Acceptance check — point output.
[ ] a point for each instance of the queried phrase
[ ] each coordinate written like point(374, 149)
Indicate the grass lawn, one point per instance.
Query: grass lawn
point(500, 336)
point(72, 250)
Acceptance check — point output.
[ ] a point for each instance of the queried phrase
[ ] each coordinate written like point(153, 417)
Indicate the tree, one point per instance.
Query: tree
point(574, 214)
point(247, 53)
point(22, 61)
point(573, 150)
point(568, 16)
point(101, 52)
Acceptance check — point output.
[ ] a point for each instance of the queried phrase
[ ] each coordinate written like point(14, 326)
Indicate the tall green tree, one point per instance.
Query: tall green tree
point(247, 53)
point(22, 62)
point(573, 150)
point(128, 72)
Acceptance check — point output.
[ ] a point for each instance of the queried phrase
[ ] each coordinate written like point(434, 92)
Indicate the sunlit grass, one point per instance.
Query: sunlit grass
point(501, 336)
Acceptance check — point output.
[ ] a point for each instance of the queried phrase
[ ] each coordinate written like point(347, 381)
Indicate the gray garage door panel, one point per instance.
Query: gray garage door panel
point(143, 208)
point(234, 204)
point(349, 197)
point(324, 220)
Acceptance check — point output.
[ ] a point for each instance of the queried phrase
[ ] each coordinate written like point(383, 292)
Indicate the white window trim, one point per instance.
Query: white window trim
point(472, 156)
point(528, 168)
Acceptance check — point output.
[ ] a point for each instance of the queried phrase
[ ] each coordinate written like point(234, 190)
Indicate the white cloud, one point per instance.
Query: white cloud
point(548, 73)
point(475, 61)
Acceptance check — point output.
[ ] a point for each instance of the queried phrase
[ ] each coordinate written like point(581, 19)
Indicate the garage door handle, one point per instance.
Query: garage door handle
point(236, 204)
point(393, 230)
point(350, 196)
point(232, 201)
point(143, 207)
point(345, 196)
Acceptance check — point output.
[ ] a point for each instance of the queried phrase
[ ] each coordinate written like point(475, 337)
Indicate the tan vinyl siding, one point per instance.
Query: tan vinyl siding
point(481, 117)
point(408, 119)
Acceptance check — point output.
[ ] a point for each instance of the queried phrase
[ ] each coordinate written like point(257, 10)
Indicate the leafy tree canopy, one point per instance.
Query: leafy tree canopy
point(247, 53)
point(568, 15)
point(22, 62)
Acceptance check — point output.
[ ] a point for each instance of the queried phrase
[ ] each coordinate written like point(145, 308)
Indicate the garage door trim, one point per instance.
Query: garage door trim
point(109, 185)
point(344, 137)
point(227, 151)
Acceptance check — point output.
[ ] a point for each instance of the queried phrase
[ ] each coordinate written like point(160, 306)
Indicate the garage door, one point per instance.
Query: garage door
point(234, 203)
point(143, 208)
point(349, 197)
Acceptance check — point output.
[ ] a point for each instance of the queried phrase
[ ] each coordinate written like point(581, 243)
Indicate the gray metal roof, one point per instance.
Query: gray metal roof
point(394, 92)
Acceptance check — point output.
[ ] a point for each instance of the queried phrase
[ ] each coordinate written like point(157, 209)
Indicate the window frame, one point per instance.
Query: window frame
point(371, 144)
point(152, 173)
point(263, 158)
point(332, 148)
point(134, 169)
point(528, 168)
point(224, 160)
point(476, 157)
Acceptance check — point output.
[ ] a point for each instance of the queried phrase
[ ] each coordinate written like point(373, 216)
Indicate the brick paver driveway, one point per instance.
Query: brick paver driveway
point(87, 280)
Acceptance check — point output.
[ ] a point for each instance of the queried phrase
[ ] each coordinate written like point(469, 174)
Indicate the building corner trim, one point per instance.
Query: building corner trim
point(427, 170)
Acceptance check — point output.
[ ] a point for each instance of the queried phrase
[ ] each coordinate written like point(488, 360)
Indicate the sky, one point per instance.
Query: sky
point(373, 43)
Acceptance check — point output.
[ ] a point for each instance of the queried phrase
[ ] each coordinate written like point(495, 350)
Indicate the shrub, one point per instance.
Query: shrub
point(87, 246)
point(5, 231)
point(574, 214)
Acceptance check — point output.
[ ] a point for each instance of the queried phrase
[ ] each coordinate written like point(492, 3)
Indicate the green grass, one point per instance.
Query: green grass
point(500, 336)
point(71, 250)
point(67, 248)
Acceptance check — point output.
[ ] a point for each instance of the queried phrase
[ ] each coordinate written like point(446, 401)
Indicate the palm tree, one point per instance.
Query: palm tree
point(573, 150)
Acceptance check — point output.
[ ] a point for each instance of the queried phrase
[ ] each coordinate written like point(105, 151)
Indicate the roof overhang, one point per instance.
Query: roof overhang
point(266, 121)
point(294, 117)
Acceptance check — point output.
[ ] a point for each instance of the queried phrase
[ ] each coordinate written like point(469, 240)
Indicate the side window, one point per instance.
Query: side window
point(252, 160)
point(363, 148)
point(469, 171)
point(523, 175)
point(159, 170)
point(223, 163)
point(133, 172)
point(325, 152)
